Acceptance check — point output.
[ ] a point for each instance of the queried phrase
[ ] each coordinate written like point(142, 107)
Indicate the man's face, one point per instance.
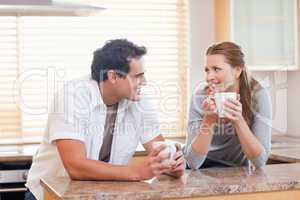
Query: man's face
point(130, 86)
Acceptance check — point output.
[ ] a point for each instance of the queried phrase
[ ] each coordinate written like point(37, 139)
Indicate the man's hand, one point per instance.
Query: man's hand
point(178, 166)
point(153, 165)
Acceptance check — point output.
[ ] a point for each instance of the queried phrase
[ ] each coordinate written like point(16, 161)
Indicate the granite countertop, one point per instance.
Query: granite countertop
point(204, 182)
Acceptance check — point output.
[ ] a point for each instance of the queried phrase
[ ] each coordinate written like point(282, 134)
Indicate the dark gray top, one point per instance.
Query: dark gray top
point(225, 146)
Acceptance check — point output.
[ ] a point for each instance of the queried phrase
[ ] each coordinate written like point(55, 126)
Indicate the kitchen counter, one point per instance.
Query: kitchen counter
point(290, 155)
point(285, 149)
point(15, 153)
point(271, 182)
point(283, 142)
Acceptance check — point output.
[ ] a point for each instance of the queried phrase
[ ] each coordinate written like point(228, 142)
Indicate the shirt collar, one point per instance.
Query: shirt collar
point(96, 96)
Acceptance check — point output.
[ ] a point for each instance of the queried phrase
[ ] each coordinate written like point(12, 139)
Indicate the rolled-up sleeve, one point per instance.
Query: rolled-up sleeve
point(193, 159)
point(71, 110)
point(262, 125)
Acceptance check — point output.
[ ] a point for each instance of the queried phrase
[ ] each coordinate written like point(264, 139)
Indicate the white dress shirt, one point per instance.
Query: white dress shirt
point(78, 113)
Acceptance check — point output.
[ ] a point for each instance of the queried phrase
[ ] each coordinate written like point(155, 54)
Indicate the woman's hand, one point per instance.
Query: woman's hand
point(209, 105)
point(233, 110)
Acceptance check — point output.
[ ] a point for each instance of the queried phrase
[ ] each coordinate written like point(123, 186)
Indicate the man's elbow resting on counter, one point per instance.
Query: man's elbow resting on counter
point(75, 170)
point(74, 173)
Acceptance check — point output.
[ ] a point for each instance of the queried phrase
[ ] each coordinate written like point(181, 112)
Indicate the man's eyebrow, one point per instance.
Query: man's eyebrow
point(140, 74)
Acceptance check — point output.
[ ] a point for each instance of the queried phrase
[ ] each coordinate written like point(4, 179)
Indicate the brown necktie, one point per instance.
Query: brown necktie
point(109, 126)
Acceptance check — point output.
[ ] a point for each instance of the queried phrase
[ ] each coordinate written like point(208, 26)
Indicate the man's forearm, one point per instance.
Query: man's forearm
point(97, 170)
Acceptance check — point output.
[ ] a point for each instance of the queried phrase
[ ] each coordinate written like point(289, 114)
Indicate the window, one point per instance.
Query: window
point(38, 54)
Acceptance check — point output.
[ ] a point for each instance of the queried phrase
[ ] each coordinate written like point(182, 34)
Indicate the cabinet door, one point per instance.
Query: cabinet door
point(265, 29)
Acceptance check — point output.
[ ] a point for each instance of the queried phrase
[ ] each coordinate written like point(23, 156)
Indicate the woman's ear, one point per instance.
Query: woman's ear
point(238, 71)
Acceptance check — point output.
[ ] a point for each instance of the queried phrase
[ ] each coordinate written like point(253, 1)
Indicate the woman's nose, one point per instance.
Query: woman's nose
point(210, 77)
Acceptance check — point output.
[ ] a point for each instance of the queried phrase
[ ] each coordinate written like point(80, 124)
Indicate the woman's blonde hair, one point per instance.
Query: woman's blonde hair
point(247, 85)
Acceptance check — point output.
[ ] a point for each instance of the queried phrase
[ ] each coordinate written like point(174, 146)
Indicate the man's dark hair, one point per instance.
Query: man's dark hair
point(115, 55)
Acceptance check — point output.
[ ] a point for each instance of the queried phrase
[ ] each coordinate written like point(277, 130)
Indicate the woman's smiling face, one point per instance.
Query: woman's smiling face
point(220, 74)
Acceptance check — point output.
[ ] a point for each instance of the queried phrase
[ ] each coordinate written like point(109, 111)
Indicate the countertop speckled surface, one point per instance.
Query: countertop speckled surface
point(204, 182)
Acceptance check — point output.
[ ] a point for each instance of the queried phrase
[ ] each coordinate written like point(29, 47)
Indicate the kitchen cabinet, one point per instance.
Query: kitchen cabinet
point(267, 31)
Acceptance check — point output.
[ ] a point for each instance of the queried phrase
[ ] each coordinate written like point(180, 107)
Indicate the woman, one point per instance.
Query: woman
point(244, 135)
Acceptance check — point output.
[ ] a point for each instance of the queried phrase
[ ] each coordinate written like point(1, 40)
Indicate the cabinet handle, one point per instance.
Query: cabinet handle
point(22, 189)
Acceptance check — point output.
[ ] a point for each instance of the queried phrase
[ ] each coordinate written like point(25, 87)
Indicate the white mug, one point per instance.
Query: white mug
point(168, 152)
point(220, 98)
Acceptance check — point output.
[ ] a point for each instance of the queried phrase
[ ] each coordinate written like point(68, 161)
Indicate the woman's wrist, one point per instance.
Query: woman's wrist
point(206, 126)
point(238, 124)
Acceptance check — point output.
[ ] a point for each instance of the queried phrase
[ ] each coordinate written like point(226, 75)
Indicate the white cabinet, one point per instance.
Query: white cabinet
point(265, 29)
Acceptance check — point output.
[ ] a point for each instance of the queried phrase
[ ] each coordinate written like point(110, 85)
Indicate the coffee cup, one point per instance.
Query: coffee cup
point(220, 98)
point(168, 152)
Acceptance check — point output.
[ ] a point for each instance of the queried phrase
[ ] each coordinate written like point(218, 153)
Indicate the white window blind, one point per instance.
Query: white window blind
point(10, 116)
point(39, 54)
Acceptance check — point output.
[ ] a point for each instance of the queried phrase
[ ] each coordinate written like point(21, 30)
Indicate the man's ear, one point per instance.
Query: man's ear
point(238, 71)
point(111, 76)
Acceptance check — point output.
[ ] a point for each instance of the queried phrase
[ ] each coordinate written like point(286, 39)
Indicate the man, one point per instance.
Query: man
point(98, 122)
